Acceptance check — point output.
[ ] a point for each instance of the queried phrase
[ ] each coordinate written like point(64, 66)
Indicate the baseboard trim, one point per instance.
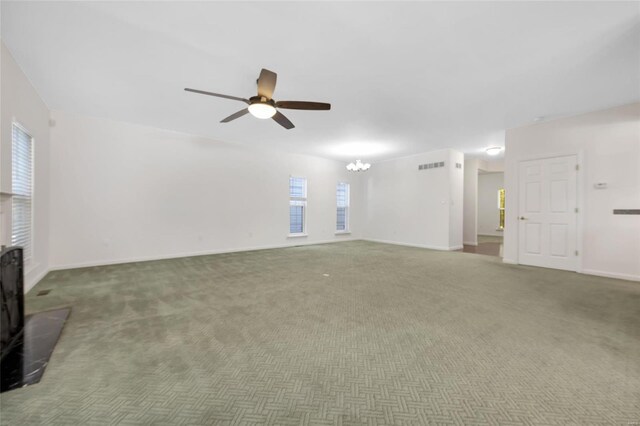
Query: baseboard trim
point(41, 275)
point(616, 275)
point(470, 243)
point(33, 282)
point(91, 264)
point(424, 246)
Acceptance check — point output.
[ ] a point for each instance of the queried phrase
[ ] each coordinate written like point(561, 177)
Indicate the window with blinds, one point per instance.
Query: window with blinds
point(297, 205)
point(342, 201)
point(21, 187)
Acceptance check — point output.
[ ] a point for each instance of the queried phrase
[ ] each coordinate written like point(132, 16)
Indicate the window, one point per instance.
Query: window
point(342, 201)
point(21, 187)
point(297, 205)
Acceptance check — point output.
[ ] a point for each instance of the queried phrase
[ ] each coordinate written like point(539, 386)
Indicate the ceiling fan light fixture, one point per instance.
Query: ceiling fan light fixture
point(494, 150)
point(263, 106)
point(262, 110)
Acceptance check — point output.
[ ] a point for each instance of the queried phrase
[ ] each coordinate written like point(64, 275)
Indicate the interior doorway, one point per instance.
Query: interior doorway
point(484, 209)
point(491, 210)
point(490, 246)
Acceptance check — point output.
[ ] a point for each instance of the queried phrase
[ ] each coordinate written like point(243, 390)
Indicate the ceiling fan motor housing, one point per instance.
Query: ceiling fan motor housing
point(261, 100)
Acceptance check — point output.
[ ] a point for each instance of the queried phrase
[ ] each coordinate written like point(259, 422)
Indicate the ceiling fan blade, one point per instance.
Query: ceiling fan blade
point(283, 121)
point(233, 98)
point(316, 106)
point(235, 115)
point(267, 83)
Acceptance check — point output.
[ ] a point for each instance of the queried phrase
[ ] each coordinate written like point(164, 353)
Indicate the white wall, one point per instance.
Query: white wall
point(124, 192)
point(609, 145)
point(491, 166)
point(20, 103)
point(470, 204)
point(416, 207)
point(488, 211)
point(456, 199)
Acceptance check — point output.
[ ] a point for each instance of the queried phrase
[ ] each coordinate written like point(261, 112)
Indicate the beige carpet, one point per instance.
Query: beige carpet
point(336, 334)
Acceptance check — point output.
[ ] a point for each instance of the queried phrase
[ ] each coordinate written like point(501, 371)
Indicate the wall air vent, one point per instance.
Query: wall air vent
point(431, 165)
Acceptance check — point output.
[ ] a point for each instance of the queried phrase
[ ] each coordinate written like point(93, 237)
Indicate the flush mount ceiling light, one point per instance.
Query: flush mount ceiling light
point(358, 166)
point(494, 150)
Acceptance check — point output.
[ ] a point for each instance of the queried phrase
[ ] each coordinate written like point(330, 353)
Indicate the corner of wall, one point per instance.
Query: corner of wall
point(21, 102)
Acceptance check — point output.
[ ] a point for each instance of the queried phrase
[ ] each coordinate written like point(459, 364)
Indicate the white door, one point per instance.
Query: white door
point(547, 214)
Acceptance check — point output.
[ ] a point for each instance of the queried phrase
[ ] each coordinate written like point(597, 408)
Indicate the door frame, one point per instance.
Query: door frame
point(579, 196)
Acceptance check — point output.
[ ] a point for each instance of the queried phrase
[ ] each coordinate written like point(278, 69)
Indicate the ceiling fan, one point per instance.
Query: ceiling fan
point(263, 106)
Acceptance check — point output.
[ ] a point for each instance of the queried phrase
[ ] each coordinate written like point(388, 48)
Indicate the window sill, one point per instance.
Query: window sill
point(296, 235)
point(343, 232)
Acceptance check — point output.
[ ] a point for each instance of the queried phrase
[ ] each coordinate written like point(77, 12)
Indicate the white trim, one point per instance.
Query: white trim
point(342, 232)
point(190, 254)
point(32, 283)
point(616, 275)
point(297, 235)
point(594, 272)
point(89, 264)
point(424, 246)
point(581, 181)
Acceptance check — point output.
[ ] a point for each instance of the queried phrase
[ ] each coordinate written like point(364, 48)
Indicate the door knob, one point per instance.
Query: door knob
point(523, 218)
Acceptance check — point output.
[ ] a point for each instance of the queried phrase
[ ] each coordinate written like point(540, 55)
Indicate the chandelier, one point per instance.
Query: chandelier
point(358, 166)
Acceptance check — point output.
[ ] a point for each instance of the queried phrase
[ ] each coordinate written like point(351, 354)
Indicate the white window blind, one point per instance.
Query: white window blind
point(342, 201)
point(297, 205)
point(21, 187)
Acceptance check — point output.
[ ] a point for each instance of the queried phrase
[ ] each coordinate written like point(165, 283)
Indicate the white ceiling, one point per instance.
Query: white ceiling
point(402, 77)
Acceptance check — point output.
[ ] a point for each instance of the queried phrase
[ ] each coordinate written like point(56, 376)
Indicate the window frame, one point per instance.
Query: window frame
point(299, 201)
point(347, 207)
point(29, 253)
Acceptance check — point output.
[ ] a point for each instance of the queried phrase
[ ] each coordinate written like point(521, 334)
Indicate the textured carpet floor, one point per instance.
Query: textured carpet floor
point(393, 335)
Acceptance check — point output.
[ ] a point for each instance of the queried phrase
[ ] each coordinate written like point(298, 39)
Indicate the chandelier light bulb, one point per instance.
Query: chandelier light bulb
point(358, 166)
